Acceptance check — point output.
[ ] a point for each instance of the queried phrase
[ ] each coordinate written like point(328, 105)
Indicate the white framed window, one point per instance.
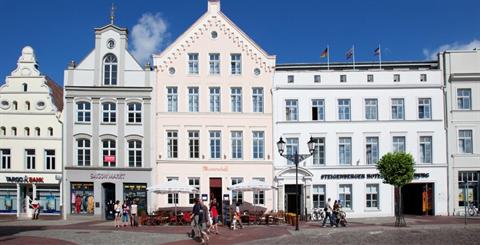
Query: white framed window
point(26, 131)
point(370, 78)
point(83, 112)
point(194, 182)
point(214, 63)
point(5, 159)
point(83, 152)
point(215, 100)
point(172, 144)
point(343, 109)
point(215, 144)
point(193, 63)
point(257, 99)
point(318, 110)
point(258, 145)
point(236, 64)
point(172, 198)
point(134, 153)
point(423, 77)
point(50, 131)
point(109, 112)
point(291, 110)
point(109, 150)
point(30, 158)
point(371, 150)
point(317, 78)
point(14, 131)
point(110, 67)
point(345, 196)
point(292, 148)
point(396, 77)
point(372, 196)
point(172, 99)
point(465, 141)
point(50, 159)
point(259, 196)
point(345, 150)
point(237, 144)
point(37, 131)
point(319, 196)
point(237, 196)
point(464, 99)
point(193, 102)
point(134, 112)
point(399, 143)
point(319, 154)
point(343, 78)
point(236, 99)
point(3, 131)
point(290, 78)
point(398, 109)
point(424, 108)
point(194, 143)
point(426, 149)
point(371, 109)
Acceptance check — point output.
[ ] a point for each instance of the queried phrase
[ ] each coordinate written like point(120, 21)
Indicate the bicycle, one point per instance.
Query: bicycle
point(318, 214)
point(472, 209)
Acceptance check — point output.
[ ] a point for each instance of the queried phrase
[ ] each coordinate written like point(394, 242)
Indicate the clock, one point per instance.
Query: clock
point(110, 43)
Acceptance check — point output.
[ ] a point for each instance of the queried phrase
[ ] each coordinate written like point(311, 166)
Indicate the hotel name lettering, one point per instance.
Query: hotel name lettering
point(365, 176)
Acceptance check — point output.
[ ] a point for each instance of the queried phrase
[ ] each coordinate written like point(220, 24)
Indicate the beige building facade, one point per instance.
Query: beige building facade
point(214, 118)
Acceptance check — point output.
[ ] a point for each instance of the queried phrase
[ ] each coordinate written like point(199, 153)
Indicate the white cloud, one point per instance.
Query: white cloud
point(148, 36)
point(432, 54)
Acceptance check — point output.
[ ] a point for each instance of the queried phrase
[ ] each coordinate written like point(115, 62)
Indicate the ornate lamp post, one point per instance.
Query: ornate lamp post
point(296, 158)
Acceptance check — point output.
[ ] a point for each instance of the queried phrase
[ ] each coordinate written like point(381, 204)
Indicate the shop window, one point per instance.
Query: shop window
point(136, 193)
point(318, 196)
point(345, 196)
point(468, 185)
point(82, 198)
point(49, 199)
point(8, 199)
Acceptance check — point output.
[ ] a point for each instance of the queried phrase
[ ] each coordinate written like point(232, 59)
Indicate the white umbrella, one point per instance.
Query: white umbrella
point(251, 185)
point(172, 187)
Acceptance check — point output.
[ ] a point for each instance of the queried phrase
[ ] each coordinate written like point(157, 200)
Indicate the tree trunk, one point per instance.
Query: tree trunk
point(399, 218)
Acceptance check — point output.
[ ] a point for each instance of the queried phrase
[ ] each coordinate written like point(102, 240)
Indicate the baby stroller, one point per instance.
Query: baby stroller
point(341, 218)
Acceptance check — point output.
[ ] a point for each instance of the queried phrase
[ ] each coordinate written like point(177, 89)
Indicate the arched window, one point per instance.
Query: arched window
point(50, 131)
point(27, 131)
point(83, 152)
point(135, 153)
point(27, 105)
point(83, 111)
point(134, 113)
point(110, 70)
point(37, 131)
point(15, 105)
point(14, 131)
point(109, 153)
point(3, 131)
point(25, 87)
point(109, 112)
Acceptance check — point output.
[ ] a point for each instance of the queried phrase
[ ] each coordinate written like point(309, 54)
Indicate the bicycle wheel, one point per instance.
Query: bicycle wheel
point(471, 211)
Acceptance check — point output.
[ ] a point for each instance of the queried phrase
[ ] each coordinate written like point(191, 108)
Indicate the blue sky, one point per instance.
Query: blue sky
point(295, 31)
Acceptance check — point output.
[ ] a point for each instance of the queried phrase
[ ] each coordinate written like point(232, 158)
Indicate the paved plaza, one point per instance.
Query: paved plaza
point(420, 230)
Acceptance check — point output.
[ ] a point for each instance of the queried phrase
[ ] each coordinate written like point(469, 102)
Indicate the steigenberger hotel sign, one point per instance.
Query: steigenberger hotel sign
point(365, 176)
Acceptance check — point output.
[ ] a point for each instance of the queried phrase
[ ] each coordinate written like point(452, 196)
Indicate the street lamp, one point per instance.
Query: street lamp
point(296, 158)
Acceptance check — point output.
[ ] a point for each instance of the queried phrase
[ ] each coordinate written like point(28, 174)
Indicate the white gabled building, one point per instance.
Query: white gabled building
point(30, 140)
point(356, 116)
point(109, 131)
point(461, 71)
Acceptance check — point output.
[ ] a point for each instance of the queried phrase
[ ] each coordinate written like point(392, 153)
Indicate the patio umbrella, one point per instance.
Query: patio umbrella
point(251, 185)
point(172, 187)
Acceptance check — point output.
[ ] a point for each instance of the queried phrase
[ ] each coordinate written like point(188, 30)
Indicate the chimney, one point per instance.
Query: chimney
point(213, 6)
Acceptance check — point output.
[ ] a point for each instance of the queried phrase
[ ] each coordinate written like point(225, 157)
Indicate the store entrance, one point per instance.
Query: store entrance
point(108, 198)
point(291, 198)
point(418, 199)
point(26, 197)
point(216, 192)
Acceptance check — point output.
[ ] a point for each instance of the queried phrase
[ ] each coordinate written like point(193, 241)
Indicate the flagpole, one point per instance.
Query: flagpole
point(353, 56)
point(328, 57)
point(380, 55)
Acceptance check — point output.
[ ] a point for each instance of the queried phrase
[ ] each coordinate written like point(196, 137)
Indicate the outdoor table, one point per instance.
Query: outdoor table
point(245, 217)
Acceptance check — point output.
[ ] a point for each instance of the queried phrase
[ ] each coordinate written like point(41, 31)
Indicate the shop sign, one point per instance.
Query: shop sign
point(25, 179)
point(109, 158)
point(217, 169)
point(96, 176)
point(365, 176)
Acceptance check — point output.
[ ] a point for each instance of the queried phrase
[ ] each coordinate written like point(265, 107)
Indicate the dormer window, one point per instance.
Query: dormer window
point(25, 87)
point(110, 70)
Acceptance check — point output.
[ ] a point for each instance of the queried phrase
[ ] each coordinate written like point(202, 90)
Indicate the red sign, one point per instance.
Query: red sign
point(109, 158)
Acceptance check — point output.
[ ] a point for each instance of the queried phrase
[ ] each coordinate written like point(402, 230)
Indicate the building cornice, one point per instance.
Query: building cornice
point(106, 169)
point(353, 86)
point(361, 121)
point(215, 162)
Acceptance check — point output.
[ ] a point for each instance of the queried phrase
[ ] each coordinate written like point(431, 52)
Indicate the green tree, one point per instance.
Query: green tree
point(397, 169)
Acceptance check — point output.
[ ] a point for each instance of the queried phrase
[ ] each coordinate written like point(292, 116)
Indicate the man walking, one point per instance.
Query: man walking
point(328, 213)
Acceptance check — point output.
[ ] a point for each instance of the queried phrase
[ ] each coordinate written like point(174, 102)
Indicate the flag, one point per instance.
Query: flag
point(349, 54)
point(377, 51)
point(324, 53)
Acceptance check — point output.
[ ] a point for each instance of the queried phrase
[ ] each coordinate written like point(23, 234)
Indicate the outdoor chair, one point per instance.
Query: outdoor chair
point(187, 218)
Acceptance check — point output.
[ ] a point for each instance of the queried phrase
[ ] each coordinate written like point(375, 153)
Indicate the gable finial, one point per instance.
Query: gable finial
point(112, 14)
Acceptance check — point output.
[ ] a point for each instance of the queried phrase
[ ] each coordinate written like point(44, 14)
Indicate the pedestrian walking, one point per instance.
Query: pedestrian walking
point(125, 213)
point(36, 208)
point(118, 212)
point(329, 213)
point(196, 213)
point(214, 215)
point(204, 223)
point(133, 214)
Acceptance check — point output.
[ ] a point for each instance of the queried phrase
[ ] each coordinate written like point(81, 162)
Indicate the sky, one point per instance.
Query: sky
point(296, 31)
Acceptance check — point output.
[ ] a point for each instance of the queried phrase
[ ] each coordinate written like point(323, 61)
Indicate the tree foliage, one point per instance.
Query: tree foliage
point(396, 168)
